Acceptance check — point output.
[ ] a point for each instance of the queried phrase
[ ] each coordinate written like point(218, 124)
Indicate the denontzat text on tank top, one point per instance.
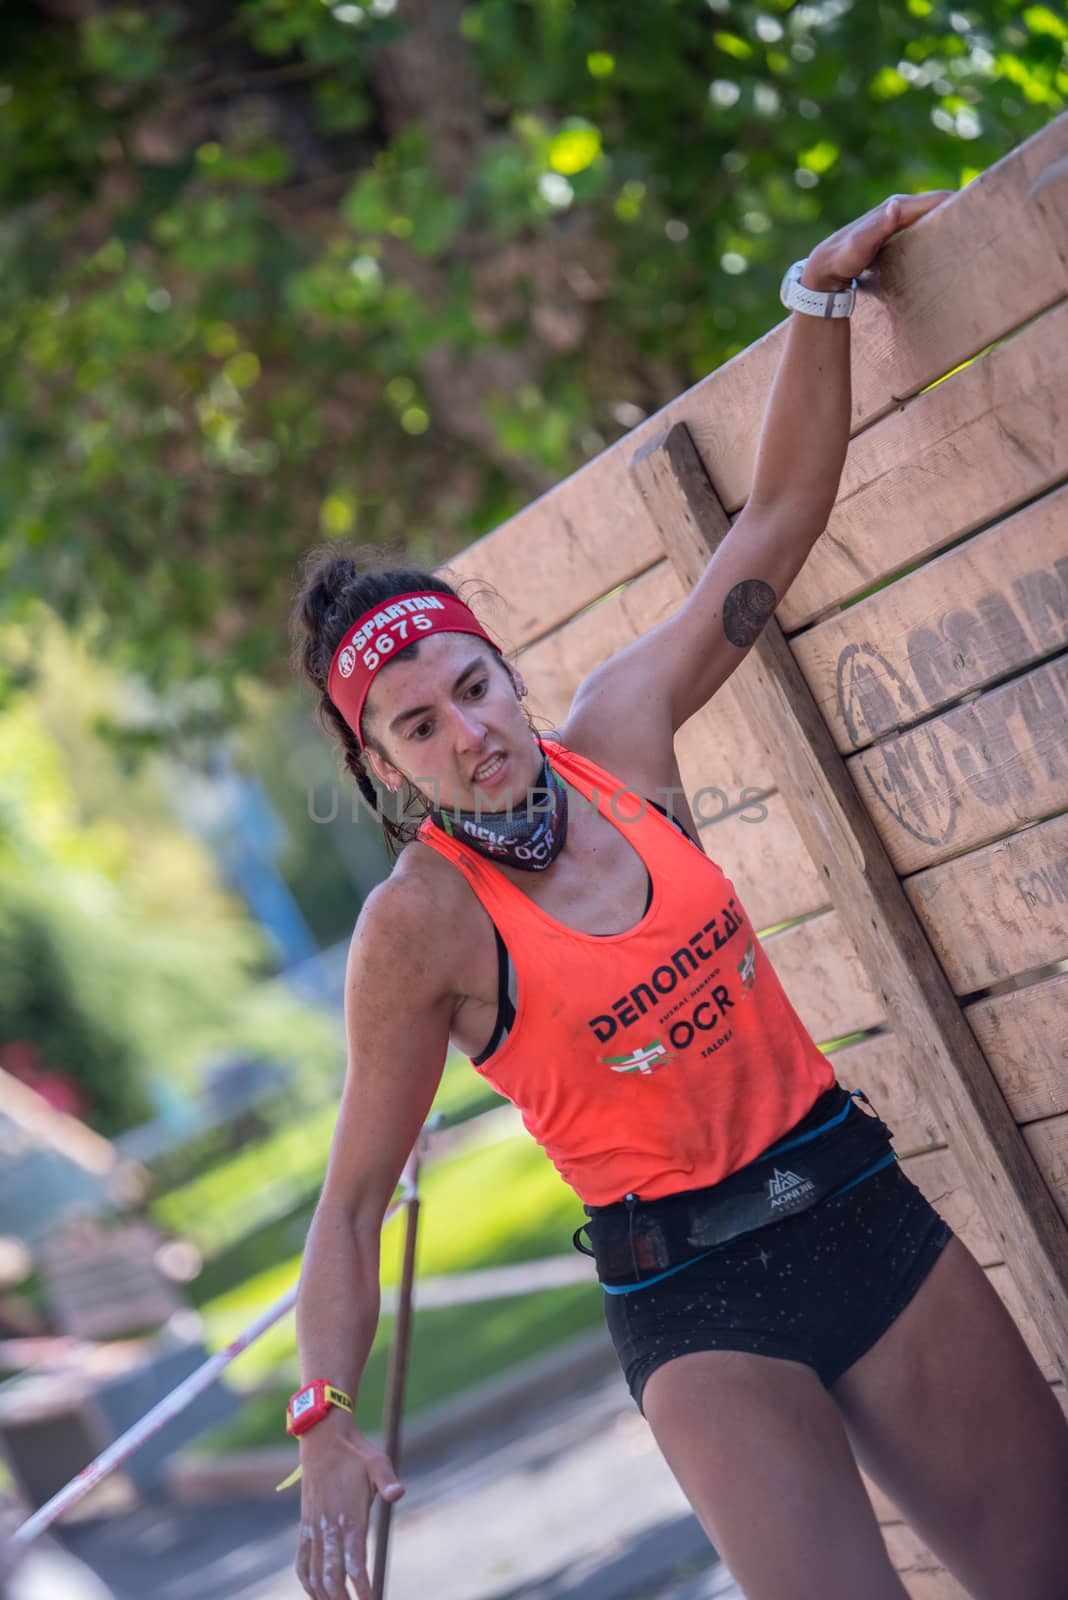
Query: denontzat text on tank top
point(657, 1059)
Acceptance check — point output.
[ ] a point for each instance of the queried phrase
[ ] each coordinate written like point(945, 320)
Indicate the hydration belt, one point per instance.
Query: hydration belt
point(635, 1240)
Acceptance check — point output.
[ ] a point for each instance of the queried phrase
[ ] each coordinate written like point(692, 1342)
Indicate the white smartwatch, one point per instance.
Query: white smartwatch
point(795, 297)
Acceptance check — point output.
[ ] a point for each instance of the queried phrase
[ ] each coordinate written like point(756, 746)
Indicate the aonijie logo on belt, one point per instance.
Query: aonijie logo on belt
point(786, 1189)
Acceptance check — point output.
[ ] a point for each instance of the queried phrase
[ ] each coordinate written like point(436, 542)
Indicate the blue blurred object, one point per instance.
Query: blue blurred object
point(233, 814)
point(321, 979)
point(42, 1187)
point(237, 1084)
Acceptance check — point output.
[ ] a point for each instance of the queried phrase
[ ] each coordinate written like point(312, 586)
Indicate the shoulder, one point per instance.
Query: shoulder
point(402, 920)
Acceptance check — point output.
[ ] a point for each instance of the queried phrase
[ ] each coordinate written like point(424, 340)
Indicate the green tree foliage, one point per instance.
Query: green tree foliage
point(123, 962)
point(286, 268)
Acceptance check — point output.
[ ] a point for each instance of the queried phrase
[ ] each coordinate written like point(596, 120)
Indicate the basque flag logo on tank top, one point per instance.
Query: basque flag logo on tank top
point(647, 1058)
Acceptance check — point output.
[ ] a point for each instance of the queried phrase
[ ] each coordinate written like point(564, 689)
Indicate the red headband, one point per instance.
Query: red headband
point(380, 634)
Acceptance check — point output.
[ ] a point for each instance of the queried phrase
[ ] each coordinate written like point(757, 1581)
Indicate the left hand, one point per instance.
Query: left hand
point(846, 254)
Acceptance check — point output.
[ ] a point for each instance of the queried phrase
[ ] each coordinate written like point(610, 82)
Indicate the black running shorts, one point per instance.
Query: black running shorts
point(819, 1287)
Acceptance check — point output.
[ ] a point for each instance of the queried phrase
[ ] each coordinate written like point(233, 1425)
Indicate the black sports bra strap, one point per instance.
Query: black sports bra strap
point(505, 1009)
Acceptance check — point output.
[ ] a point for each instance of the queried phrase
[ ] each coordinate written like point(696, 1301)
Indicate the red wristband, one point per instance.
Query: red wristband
point(311, 1404)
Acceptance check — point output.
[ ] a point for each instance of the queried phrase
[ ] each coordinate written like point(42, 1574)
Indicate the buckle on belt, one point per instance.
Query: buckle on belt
point(643, 1248)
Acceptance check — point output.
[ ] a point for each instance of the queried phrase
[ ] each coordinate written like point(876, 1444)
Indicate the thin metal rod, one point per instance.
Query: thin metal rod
point(395, 1383)
point(187, 1391)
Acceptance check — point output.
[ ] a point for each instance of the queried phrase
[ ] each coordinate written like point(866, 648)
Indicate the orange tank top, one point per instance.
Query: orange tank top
point(657, 1059)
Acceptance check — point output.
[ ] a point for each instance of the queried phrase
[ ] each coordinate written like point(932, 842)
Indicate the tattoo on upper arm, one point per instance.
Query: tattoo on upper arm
point(746, 609)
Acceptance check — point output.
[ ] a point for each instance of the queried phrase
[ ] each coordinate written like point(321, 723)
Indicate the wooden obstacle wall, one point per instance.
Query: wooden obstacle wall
point(887, 772)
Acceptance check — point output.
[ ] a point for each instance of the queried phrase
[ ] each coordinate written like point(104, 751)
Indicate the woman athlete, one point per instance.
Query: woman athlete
point(598, 968)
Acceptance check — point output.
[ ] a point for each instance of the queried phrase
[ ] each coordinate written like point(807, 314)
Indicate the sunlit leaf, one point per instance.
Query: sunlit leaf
point(819, 157)
point(733, 45)
point(1041, 20)
point(887, 84)
point(575, 147)
point(337, 514)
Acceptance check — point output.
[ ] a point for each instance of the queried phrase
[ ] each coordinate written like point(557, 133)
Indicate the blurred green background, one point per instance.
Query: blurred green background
point(288, 271)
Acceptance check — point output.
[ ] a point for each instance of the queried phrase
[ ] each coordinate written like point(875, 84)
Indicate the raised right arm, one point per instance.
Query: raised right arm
point(398, 1009)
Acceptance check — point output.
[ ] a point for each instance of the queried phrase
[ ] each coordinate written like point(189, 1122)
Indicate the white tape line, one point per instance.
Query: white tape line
point(495, 1283)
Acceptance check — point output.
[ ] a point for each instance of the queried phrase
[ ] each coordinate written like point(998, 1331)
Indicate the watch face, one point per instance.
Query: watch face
point(302, 1403)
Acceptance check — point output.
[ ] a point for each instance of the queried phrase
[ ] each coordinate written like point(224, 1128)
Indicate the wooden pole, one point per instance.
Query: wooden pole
point(866, 892)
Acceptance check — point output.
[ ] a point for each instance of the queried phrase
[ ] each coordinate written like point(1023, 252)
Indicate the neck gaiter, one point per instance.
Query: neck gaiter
point(529, 836)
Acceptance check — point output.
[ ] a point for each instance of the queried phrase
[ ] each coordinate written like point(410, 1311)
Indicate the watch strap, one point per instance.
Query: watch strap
point(815, 302)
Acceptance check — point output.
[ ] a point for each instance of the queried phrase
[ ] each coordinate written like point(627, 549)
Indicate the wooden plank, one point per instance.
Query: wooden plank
point(716, 748)
point(1048, 1143)
point(879, 923)
point(978, 771)
point(560, 553)
point(760, 850)
point(882, 1069)
point(937, 1175)
point(977, 268)
point(720, 748)
point(1024, 1036)
point(557, 664)
point(1048, 195)
point(987, 608)
point(953, 459)
point(967, 275)
point(999, 911)
point(921, 1572)
point(825, 981)
point(933, 1583)
point(885, 1509)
